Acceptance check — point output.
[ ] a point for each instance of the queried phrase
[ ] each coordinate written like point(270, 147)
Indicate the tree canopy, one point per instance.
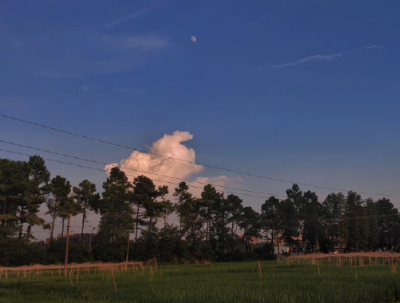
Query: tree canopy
point(211, 226)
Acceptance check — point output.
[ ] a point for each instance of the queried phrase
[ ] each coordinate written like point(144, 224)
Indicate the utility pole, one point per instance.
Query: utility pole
point(67, 245)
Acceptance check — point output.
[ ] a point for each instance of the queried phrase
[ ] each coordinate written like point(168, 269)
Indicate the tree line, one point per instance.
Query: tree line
point(136, 220)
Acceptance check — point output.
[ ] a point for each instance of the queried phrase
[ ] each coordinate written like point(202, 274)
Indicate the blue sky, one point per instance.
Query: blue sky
point(295, 89)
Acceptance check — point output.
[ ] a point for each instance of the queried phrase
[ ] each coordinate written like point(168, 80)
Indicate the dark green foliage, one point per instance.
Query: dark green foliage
point(105, 251)
point(265, 252)
point(14, 252)
point(272, 216)
point(58, 203)
point(333, 209)
point(357, 235)
point(23, 186)
point(116, 218)
point(86, 197)
point(290, 223)
point(149, 203)
point(56, 252)
point(250, 224)
point(388, 223)
point(373, 227)
point(166, 245)
point(312, 212)
point(171, 247)
point(212, 227)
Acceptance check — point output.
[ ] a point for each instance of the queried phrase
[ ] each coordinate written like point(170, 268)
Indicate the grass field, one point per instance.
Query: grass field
point(224, 282)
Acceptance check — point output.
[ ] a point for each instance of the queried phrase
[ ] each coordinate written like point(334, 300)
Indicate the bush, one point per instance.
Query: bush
point(265, 252)
point(16, 252)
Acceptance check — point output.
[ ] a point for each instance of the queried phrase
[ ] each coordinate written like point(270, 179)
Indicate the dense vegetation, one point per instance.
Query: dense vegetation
point(212, 226)
point(222, 282)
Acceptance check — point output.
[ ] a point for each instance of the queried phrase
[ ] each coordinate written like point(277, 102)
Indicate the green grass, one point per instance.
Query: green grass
point(229, 282)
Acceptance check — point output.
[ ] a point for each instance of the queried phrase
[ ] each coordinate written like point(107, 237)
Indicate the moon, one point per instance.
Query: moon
point(194, 39)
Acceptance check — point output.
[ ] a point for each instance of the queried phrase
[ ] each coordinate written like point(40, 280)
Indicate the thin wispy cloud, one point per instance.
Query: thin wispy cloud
point(86, 88)
point(110, 54)
point(20, 101)
point(314, 58)
point(328, 57)
point(104, 90)
point(128, 18)
point(131, 91)
point(373, 46)
point(143, 43)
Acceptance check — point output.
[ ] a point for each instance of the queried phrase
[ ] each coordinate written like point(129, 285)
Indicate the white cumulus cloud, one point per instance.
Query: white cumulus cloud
point(171, 147)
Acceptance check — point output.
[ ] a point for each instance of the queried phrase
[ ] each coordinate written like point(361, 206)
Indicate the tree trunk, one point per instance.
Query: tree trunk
point(28, 231)
point(54, 218)
point(67, 246)
point(207, 231)
point(137, 223)
point(3, 222)
point(62, 230)
point(20, 231)
point(193, 235)
point(180, 219)
point(127, 253)
point(298, 247)
point(277, 241)
point(223, 238)
point(52, 227)
point(83, 225)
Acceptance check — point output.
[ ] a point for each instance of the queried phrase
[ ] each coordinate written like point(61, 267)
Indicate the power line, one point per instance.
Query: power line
point(182, 160)
point(175, 220)
point(102, 163)
point(97, 162)
point(98, 169)
point(337, 220)
point(330, 220)
point(285, 220)
point(132, 169)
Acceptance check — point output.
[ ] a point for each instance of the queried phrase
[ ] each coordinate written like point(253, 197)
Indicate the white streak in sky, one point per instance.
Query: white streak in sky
point(373, 46)
point(311, 59)
point(127, 18)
